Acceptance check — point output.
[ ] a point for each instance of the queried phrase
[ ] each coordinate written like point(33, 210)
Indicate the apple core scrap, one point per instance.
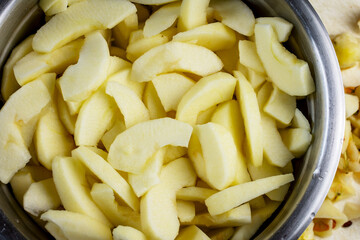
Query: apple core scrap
point(164, 121)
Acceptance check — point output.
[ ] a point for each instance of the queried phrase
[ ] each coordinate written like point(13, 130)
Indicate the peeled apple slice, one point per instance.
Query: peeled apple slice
point(80, 19)
point(102, 169)
point(75, 226)
point(192, 14)
point(73, 190)
point(235, 14)
point(125, 232)
point(207, 92)
point(132, 148)
point(175, 56)
point(162, 19)
point(130, 105)
point(286, 71)
point(96, 116)
point(80, 80)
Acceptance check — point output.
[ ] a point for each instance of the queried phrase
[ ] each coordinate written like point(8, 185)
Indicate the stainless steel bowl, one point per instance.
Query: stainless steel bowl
point(313, 173)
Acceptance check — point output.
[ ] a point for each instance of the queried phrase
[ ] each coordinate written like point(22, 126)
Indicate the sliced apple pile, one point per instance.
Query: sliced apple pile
point(172, 121)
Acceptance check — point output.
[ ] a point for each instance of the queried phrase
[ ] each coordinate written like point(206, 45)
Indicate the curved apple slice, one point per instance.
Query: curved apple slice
point(207, 92)
point(250, 112)
point(70, 225)
point(162, 19)
point(80, 80)
point(235, 14)
point(286, 71)
point(175, 56)
point(102, 169)
point(132, 148)
point(130, 105)
point(192, 14)
point(80, 19)
point(73, 190)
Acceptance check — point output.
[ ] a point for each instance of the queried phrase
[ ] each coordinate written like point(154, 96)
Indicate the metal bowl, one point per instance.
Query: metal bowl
point(313, 173)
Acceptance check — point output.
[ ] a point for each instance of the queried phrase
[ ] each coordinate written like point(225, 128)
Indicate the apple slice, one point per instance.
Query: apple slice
point(79, 81)
point(41, 197)
point(96, 116)
point(80, 19)
point(139, 44)
point(8, 82)
point(175, 56)
point(235, 217)
point(192, 232)
point(231, 197)
point(57, 7)
point(20, 183)
point(185, 210)
point(198, 194)
point(130, 105)
point(123, 77)
point(207, 92)
point(152, 102)
point(34, 64)
point(351, 104)
point(73, 190)
point(125, 232)
point(205, 116)
point(249, 57)
point(22, 108)
point(256, 79)
point(132, 148)
point(104, 198)
point(73, 225)
point(51, 138)
point(141, 183)
point(275, 151)
point(174, 152)
point(158, 205)
point(214, 36)
point(162, 19)
point(280, 106)
point(281, 26)
point(103, 170)
point(66, 118)
point(285, 70)
point(250, 112)
point(329, 211)
point(297, 140)
point(192, 14)
point(219, 153)
point(170, 88)
point(235, 14)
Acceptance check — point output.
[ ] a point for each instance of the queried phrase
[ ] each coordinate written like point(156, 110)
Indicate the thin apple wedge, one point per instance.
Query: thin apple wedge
point(79, 19)
point(281, 26)
point(192, 232)
point(158, 206)
point(72, 225)
point(132, 149)
point(108, 138)
point(249, 57)
point(130, 105)
point(153, 102)
point(249, 107)
point(123, 77)
point(66, 118)
point(175, 56)
point(192, 14)
point(104, 197)
point(235, 14)
point(96, 116)
point(185, 210)
point(8, 82)
point(162, 19)
point(80, 80)
point(286, 71)
point(73, 190)
point(207, 92)
point(198, 194)
point(214, 36)
point(234, 196)
point(103, 170)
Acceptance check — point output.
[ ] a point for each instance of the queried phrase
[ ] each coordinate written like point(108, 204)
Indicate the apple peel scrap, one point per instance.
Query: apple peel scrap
point(122, 118)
